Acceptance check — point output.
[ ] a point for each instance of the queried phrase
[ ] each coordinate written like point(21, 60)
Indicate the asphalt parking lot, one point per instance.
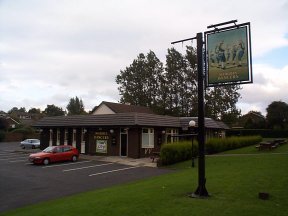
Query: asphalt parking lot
point(22, 183)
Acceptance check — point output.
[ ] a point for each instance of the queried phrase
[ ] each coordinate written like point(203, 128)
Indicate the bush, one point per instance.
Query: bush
point(265, 133)
point(180, 151)
point(177, 151)
point(27, 132)
point(216, 145)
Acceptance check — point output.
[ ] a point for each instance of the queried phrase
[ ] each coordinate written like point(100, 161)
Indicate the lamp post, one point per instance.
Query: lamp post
point(192, 125)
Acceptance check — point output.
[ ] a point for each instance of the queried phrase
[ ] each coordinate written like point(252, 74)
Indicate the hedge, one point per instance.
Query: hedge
point(180, 151)
point(177, 151)
point(216, 145)
point(265, 133)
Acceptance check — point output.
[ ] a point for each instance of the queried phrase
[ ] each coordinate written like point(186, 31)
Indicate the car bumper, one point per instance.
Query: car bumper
point(35, 160)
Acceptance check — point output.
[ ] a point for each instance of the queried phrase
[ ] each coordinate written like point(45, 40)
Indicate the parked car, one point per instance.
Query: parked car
point(55, 154)
point(31, 143)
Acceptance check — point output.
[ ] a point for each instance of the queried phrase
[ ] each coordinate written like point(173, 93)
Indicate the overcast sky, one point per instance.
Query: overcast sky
point(53, 50)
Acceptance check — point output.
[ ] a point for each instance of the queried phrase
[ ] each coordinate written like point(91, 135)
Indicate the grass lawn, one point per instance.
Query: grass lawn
point(233, 182)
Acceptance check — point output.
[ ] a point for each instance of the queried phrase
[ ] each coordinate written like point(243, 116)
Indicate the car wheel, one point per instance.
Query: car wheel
point(74, 158)
point(23, 147)
point(46, 161)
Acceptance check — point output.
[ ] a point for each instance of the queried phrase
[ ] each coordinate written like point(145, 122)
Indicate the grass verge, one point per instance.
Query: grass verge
point(233, 182)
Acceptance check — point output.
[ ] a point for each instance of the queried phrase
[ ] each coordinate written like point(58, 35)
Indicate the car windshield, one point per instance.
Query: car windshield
point(48, 149)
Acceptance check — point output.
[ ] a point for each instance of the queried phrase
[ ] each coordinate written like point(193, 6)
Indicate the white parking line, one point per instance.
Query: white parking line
point(98, 165)
point(50, 166)
point(111, 171)
point(10, 154)
point(12, 158)
point(17, 161)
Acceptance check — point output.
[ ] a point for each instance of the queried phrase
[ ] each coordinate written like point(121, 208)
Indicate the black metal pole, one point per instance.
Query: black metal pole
point(192, 151)
point(201, 190)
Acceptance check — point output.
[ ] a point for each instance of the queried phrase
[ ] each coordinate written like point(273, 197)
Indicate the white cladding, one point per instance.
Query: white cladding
point(103, 109)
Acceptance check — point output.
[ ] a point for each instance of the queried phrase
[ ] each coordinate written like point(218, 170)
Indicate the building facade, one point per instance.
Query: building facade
point(122, 132)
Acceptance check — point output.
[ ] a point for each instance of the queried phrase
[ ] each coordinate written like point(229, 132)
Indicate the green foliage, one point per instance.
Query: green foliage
point(277, 115)
point(15, 109)
point(139, 83)
point(215, 145)
point(52, 110)
point(172, 89)
point(26, 130)
point(75, 107)
point(220, 103)
point(34, 111)
point(180, 151)
point(265, 133)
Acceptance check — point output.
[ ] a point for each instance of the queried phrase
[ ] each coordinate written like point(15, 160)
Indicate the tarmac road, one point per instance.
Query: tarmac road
point(22, 183)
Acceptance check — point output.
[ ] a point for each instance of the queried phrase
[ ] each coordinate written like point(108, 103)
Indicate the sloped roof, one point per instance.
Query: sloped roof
point(125, 108)
point(125, 119)
point(209, 123)
point(118, 119)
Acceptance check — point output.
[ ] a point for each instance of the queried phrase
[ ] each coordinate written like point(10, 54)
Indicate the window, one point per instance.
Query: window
point(50, 137)
point(169, 135)
point(147, 138)
point(65, 137)
point(66, 149)
point(74, 138)
point(58, 137)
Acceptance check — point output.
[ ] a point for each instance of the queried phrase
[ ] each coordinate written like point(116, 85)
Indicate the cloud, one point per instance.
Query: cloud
point(52, 50)
point(269, 85)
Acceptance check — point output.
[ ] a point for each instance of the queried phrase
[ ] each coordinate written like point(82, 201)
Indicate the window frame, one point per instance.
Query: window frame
point(151, 138)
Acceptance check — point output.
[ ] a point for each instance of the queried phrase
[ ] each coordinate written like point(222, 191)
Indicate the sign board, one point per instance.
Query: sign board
point(228, 56)
point(101, 146)
point(101, 138)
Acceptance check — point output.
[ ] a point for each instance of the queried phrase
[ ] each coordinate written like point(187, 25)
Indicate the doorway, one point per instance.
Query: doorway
point(123, 142)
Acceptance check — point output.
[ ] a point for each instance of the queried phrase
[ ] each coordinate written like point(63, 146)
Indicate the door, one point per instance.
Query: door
point(123, 142)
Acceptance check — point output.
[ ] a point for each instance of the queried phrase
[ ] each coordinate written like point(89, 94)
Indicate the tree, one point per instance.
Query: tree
point(140, 82)
point(180, 82)
point(15, 109)
point(277, 115)
point(173, 91)
point(34, 111)
point(75, 107)
point(52, 110)
point(231, 117)
point(221, 101)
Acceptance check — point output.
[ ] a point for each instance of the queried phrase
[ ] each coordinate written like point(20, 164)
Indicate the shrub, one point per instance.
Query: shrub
point(265, 133)
point(27, 132)
point(216, 145)
point(177, 151)
point(180, 151)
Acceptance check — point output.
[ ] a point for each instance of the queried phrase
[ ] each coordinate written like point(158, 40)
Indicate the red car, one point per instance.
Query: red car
point(55, 154)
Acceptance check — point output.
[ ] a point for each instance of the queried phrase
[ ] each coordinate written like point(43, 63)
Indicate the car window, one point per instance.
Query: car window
point(67, 149)
point(58, 150)
point(48, 149)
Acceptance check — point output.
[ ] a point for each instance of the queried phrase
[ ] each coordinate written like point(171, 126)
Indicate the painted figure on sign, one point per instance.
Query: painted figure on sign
point(234, 53)
point(221, 55)
point(212, 58)
point(241, 48)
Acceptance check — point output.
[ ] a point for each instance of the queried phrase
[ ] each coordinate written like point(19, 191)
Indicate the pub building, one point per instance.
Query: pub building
point(115, 129)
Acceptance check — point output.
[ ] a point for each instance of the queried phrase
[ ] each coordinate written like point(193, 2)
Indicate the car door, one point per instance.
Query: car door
point(56, 155)
point(67, 153)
